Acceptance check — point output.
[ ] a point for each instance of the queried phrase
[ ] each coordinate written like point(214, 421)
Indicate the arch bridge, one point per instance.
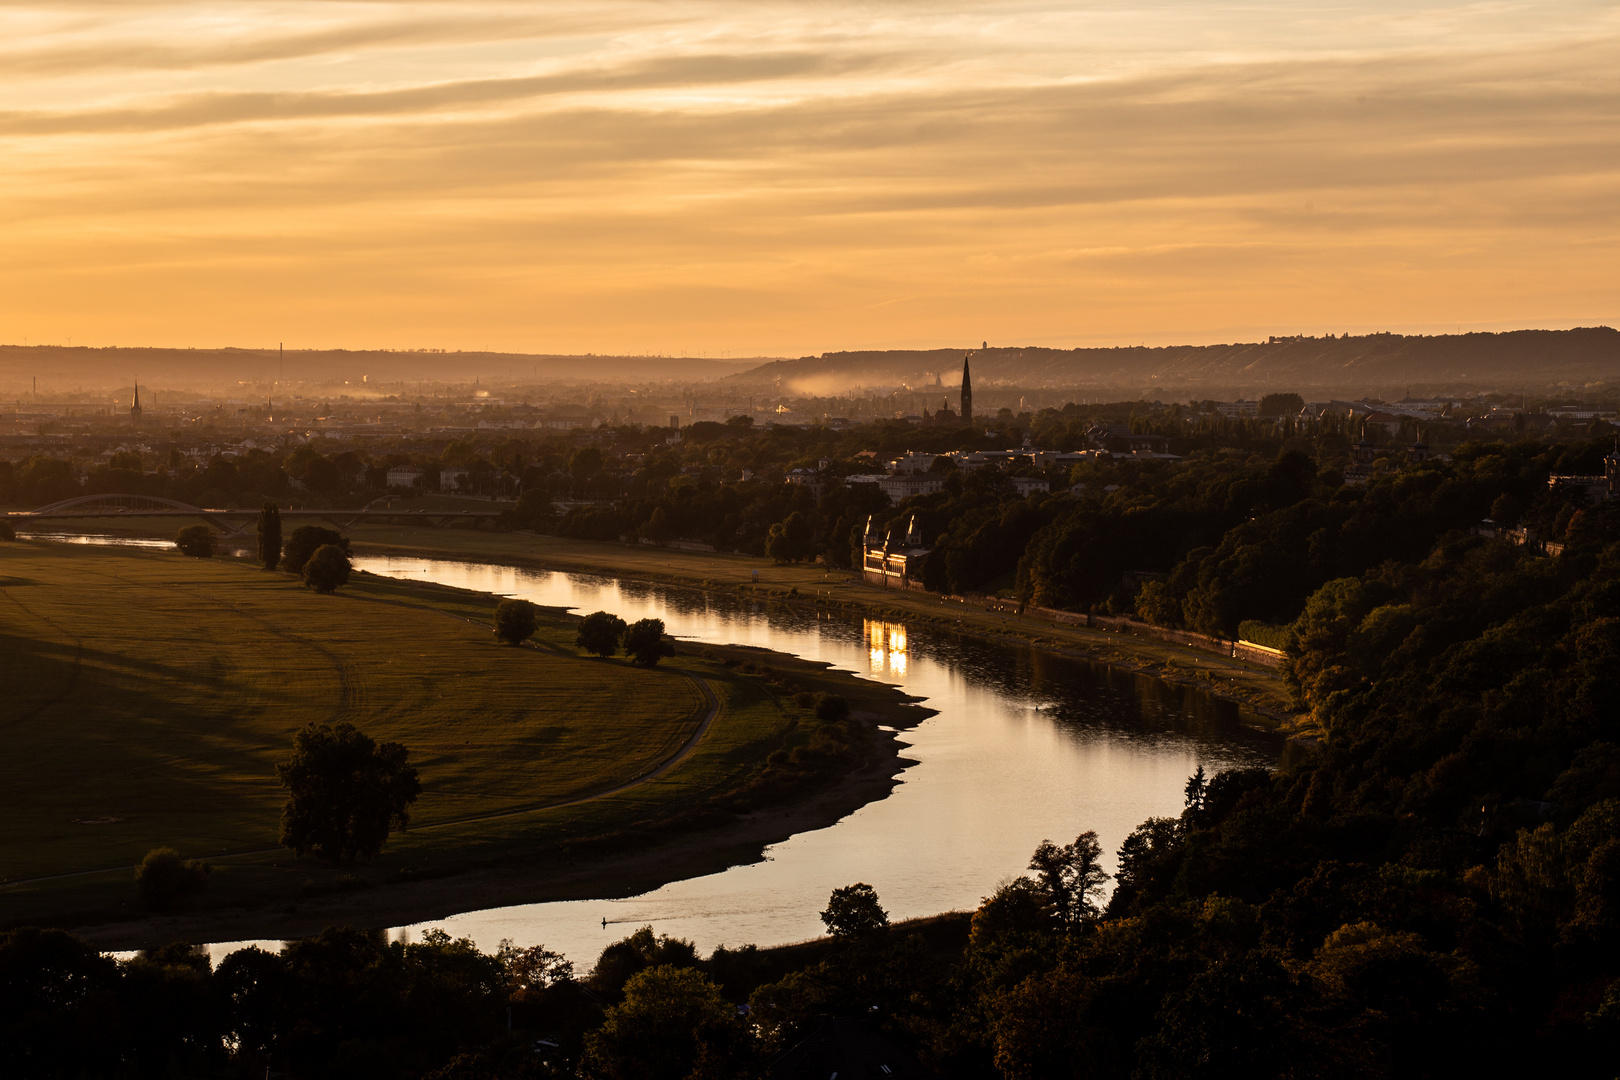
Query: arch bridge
point(230, 519)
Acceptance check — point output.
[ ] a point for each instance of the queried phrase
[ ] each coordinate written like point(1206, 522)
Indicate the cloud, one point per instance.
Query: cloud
point(829, 188)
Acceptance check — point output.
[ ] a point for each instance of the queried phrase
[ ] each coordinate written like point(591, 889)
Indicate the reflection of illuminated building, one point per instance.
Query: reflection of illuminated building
point(887, 644)
point(894, 563)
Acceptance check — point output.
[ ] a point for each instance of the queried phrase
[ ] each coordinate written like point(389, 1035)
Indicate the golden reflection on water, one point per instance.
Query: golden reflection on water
point(887, 642)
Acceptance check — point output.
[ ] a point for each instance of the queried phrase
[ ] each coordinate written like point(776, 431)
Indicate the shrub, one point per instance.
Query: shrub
point(6, 531)
point(196, 541)
point(516, 621)
point(163, 879)
point(328, 569)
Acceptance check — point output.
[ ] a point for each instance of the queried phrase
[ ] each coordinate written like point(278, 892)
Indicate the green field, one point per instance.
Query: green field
point(148, 697)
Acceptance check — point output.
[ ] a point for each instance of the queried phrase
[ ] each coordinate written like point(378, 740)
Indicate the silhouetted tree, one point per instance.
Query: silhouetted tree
point(600, 632)
point(1071, 875)
point(270, 536)
point(346, 793)
point(304, 542)
point(328, 569)
point(854, 911)
point(644, 640)
point(516, 621)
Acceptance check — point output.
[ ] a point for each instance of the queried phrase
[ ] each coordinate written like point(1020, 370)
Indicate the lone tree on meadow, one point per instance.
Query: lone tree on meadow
point(600, 632)
point(270, 535)
point(516, 621)
point(346, 793)
point(328, 569)
point(304, 542)
point(854, 912)
point(196, 541)
point(644, 640)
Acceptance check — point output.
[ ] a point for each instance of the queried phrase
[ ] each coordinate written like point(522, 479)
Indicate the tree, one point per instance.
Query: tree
point(516, 621)
point(196, 541)
point(346, 793)
point(600, 632)
point(1071, 876)
point(672, 1023)
point(163, 878)
point(854, 912)
point(270, 536)
point(645, 642)
point(304, 542)
point(791, 539)
point(328, 569)
point(6, 531)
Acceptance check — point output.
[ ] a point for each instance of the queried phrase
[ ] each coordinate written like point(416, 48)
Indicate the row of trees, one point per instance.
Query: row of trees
point(318, 555)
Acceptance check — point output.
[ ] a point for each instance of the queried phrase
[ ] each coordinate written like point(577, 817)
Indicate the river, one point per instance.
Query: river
point(1025, 746)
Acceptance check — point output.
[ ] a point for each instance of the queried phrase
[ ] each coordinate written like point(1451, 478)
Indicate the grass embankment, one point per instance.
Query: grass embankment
point(149, 696)
point(1252, 685)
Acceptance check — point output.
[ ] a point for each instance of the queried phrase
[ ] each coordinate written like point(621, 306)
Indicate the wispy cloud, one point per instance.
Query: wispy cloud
point(793, 176)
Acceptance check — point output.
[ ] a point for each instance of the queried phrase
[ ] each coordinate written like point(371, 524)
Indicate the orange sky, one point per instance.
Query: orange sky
point(750, 177)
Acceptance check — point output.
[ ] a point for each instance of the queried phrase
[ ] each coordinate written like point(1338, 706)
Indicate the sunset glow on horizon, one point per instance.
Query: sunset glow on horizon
point(714, 178)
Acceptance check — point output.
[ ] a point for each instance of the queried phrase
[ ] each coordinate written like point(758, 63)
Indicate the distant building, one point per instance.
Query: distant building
point(135, 406)
point(1030, 485)
point(1596, 488)
point(813, 479)
point(894, 562)
point(405, 476)
point(967, 393)
point(454, 479)
point(901, 486)
point(1238, 408)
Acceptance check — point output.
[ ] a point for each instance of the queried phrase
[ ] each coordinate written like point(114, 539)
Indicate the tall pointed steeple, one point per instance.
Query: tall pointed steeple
point(967, 393)
point(135, 406)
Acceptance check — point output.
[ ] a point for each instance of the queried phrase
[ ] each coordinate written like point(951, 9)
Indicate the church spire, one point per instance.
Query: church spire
point(967, 393)
point(135, 405)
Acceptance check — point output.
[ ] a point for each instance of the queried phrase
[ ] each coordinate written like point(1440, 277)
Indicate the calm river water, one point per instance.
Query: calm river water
point(1025, 746)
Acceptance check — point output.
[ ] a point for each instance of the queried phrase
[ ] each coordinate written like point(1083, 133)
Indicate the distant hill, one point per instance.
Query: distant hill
point(1528, 359)
point(61, 368)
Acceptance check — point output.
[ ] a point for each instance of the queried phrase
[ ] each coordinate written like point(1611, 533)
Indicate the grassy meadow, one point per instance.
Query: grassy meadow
point(148, 696)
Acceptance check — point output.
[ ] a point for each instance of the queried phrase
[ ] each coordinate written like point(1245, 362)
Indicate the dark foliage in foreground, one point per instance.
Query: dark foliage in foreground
point(1433, 891)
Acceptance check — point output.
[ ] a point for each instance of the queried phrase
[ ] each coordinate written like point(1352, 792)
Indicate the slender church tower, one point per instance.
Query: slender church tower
point(135, 406)
point(967, 393)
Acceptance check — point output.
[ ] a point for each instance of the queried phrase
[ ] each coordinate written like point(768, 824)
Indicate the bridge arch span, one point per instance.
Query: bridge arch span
point(83, 503)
